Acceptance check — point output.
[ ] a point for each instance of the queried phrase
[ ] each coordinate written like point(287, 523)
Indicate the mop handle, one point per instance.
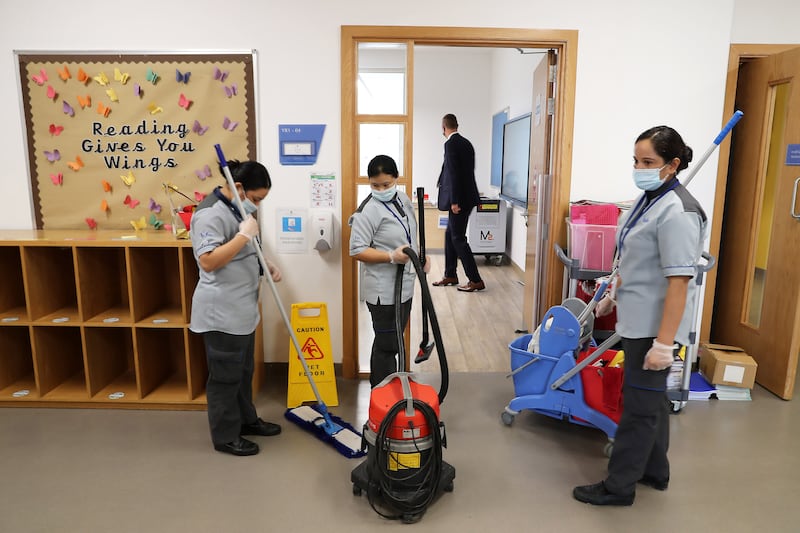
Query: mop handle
point(722, 134)
point(229, 177)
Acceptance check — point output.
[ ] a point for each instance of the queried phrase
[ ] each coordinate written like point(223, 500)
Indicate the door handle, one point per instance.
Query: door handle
point(794, 199)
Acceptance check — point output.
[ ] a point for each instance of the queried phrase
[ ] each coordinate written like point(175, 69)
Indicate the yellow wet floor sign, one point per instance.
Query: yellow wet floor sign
point(310, 325)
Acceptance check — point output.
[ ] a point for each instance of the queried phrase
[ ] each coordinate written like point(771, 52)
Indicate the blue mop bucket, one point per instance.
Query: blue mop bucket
point(535, 379)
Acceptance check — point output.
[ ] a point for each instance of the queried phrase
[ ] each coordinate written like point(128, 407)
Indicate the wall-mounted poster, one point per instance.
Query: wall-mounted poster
point(108, 134)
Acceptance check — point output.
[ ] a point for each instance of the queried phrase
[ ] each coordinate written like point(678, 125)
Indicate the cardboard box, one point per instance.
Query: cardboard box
point(727, 365)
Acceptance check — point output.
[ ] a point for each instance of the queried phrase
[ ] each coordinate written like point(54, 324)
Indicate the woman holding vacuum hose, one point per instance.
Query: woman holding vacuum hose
point(225, 305)
point(659, 242)
point(383, 225)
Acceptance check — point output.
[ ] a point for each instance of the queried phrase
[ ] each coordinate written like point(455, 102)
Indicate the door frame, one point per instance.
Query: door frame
point(738, 52)
point(565, 42)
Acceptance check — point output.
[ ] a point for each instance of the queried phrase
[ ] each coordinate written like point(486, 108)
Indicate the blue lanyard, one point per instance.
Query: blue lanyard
point(642, 209)
point(407, 230)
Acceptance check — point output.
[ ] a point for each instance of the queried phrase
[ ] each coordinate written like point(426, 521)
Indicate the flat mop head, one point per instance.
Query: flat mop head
point(328, 428)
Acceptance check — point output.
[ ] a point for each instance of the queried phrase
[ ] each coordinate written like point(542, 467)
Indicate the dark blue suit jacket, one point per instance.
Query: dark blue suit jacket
point(457, 179)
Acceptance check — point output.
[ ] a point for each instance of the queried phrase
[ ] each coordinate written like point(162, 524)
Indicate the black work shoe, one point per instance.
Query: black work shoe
point(658, 484)
point(238, 447)
point(260, 427)
point(597, 494)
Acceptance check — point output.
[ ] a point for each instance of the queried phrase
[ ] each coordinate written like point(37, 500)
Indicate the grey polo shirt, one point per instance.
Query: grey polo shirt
point(382, 226)
point(666, 240)
point(225, 300)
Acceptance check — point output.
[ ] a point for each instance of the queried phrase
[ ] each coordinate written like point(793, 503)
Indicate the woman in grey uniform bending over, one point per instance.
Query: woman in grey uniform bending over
point(225, 305)
point(659, 243)
point(383, 225)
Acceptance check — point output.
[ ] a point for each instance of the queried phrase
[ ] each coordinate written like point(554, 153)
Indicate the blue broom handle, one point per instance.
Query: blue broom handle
point(722, 134)
point(229, 177)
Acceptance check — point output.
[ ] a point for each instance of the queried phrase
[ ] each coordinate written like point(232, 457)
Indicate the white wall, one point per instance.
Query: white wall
point(450, 80)
point(639, 64)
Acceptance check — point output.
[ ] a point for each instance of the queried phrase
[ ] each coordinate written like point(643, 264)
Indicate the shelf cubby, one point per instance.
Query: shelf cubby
point(58, 360)
point(110, 364)
point(13, 309)
point(156, 287)
point(103, 286)
point(49, 273)
point(17, 379)
point(190, 275)
point(198, 366)
point(162, 375)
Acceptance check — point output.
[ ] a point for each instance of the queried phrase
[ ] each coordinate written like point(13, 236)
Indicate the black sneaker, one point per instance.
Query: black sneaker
point(597, 494)
point(260, 427)
point(658, 484)
point(240, 447)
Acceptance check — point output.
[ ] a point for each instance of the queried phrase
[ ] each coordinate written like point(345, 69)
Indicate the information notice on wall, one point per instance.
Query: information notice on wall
point(107, 132)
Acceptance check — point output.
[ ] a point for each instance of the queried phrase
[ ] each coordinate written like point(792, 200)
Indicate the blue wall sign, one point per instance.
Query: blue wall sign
point(298, 144)
point(793, 154)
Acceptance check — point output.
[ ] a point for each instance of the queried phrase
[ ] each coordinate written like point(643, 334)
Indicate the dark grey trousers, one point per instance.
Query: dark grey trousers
point(229, 388)
point(642, 438)
point(457, 247)
point(383, 360)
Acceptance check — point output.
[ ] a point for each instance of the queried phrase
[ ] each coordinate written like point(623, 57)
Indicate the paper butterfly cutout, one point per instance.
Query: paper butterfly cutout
point(130, 202)
point(228, 125)
point(154, 206)
point(128, 178)
point(121, 77)
point(106, 185)
point(152, 77)
point(112, 95)
point(104, 206)
point(84, 101)
point(40, 78)
point(184, 102)
point(82, 76)
point(102, 79)
point(137, 90)
point(55, 155)
point(182, 78)
point(103, 110)
point(56, 130)
point(64, 74)
point(199, 196)
point(198, 128)
point(203, 173)
point(77, 164)
point(155, 108)
point(230, 90)
point(139, 224)
point(220, 75)
point(51, 93)
point(92, 223)
point(157, 224)
point(57, 178)
point(67, 109)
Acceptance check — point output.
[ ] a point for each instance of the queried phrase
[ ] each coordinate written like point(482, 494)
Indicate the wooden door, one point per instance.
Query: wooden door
point(538, 190)
point(757, 305)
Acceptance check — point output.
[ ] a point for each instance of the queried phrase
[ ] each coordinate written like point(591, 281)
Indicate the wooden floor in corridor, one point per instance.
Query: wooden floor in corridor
point(476, 327)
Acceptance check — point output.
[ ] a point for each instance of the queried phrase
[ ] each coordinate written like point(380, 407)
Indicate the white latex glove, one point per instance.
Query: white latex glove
point(604, 306)
point(659, 356)
point(274, 272)
point(398, 257)
point(427, 266)
point(249, 227)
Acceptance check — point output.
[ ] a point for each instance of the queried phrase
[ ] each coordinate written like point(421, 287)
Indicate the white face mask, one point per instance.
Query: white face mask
point(386, 194)
point(647, 179)
point(249, 206)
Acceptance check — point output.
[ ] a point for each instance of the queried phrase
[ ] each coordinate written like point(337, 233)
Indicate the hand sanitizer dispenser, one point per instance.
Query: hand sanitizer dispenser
point(322, 230)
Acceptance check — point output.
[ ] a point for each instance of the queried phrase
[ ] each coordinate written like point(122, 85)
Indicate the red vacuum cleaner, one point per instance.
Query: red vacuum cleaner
point(404, 471)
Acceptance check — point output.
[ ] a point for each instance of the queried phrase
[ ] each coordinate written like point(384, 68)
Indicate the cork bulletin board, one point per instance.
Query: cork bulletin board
point(106, 133)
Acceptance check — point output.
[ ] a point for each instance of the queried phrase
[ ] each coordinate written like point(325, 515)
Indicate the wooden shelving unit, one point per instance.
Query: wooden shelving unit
point(99, 319)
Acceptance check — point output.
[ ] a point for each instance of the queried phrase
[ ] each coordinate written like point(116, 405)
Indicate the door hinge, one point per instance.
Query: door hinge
point(551, 105)
point(551, 73)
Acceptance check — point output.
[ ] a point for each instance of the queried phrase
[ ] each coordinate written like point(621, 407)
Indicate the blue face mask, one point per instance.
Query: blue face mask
point(385, 195)
point(249, 206)
point(647, 179)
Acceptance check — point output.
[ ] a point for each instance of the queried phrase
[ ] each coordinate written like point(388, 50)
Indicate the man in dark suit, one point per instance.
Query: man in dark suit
point(458, 194)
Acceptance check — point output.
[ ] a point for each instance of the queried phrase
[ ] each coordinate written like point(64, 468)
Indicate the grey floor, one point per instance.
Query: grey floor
point(735, 467)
